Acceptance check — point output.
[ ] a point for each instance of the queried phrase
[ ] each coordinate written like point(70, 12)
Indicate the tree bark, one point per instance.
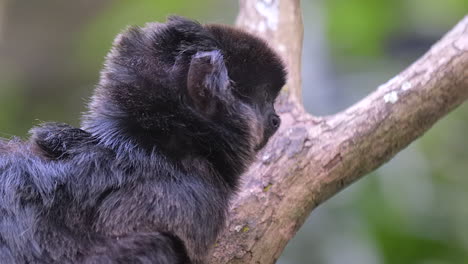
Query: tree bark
point(312, 158)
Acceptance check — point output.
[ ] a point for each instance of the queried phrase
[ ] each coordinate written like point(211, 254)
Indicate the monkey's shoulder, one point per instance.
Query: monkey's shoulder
point(58, 140)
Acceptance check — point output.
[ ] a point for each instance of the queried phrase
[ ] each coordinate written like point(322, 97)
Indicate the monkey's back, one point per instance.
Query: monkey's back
point(81, 201)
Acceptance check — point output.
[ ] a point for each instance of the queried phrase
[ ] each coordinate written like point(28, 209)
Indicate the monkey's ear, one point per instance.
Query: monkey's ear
point(207, 80)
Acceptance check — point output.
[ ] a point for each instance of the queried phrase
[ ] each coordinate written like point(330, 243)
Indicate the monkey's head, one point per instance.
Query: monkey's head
point(188, 88)
point(256, 75)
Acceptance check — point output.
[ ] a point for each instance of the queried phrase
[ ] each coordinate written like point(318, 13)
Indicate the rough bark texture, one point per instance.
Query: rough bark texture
point(312, 158)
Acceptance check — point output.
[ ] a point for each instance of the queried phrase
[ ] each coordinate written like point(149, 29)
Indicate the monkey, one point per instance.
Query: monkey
point(180, 112)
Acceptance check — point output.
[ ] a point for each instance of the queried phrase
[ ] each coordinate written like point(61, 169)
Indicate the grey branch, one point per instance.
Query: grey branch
point(312, 158)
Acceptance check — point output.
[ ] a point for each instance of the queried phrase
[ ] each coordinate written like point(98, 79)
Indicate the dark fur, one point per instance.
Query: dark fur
point(178, 116)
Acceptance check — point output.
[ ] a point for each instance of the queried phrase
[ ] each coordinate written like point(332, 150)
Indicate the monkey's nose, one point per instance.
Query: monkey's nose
point(275, 121)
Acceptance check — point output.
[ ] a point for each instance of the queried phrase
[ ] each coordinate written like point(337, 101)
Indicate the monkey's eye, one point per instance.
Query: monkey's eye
point(268, 96)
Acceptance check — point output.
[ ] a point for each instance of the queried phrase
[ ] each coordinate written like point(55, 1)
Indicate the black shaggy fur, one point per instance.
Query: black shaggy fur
point(178, 116)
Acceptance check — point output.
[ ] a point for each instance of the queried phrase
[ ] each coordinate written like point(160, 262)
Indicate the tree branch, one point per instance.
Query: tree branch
point(310, 159)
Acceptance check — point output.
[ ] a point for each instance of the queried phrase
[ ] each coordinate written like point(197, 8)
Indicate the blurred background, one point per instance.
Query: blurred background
point(412, 210)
